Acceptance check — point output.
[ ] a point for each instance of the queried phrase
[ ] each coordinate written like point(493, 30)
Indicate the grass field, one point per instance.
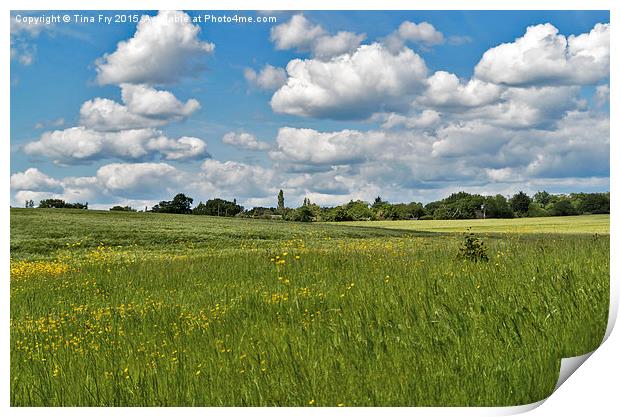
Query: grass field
point(151, 309)
point(598, 223)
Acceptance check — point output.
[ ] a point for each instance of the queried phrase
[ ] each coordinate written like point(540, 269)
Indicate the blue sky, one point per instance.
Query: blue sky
point(335, 106)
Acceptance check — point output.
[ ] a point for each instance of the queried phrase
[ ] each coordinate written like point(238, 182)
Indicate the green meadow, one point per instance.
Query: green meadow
point(147, 309)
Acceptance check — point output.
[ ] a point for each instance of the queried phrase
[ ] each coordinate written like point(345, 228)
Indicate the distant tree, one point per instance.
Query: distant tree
point(595, 203)
point(281, 201)
point(378, 202)
point(122, 208)
point(459, 205)
point(29, 203)
point(497, 207)
point(563, 207)
point(520, 203)
point(542, 197)
point(305, 213)
point(358, 210)
point(218, 207)
point(58, 203)
point(180, 204)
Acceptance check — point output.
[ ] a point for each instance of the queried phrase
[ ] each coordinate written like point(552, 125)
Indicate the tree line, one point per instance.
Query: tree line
point(460, 205)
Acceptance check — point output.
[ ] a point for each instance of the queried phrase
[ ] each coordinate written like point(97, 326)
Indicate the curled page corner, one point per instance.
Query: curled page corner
point(568, 366)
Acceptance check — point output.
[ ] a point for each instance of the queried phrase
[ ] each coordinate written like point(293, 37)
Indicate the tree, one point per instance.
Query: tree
point(542, 197)
point(29, 203)
point(563, 207)
point(497, 207)
point(122, 208)
point(281, 201)
point(180, 204)
point(218, 207)
point(520, 203)
point(58, 203)
point(595, 203)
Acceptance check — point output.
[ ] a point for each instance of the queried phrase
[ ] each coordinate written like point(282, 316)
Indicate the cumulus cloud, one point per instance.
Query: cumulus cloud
point(244, 140)
point(149, 102)
point(105, 115)
point(310, 147)
point(543, 56)
point(111, 183)
point(422, 33)
point(269, 78)
point(527, 108)
point(352, 86)
point(137, 179)
point(342, 42)
point(164, 49)
point(80, 144)
point(143, 107)
point(235, 179)
point(300, 34)
point(426, 119)
point(33, 180)
point(297, 33)
point(447, 91)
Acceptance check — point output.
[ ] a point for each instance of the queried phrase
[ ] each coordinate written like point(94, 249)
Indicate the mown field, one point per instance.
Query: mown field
point(142, 309)
point(598, 223)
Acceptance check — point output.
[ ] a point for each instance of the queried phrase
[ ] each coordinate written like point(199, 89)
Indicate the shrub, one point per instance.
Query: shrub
point(473, 249)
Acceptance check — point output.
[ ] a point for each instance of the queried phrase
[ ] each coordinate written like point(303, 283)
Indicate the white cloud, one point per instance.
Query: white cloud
point(33, 180)
point(149, 102)
point(144, 107)
point(80, 144)
point(543, 56)
point(422, 32)
point(531, 107)
point(104, 115)
point(300, 34)
point(297, 33)
point(244, 140)
point(427, 119)
point(269, 78)
point(446, 90)
point(164, 49)
point(137, 179)
point(327, 47)
point(369, 80)
point(310, 147)
point(234, 179)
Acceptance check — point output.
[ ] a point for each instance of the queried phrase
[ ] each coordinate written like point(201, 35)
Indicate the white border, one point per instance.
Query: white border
point(593, 387)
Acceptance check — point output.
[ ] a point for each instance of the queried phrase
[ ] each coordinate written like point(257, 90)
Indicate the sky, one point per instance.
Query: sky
point(328, 105)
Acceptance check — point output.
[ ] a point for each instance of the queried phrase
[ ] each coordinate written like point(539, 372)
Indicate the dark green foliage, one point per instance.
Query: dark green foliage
point(593, 203)
point(563, 207)
point(218, 207)
point(497, 207)
point(472, 249)
point(520, 203)
point(281, 201)
point(543, 198)
point(459, 205)
point(122, 208)
point(180, 204)
point(58, 203)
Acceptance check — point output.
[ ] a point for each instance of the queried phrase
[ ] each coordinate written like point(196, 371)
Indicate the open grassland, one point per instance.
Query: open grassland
point(597, 223)
point(146, 309)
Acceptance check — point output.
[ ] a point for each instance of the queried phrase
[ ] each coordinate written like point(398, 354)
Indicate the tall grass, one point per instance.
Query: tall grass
point(311, 319)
